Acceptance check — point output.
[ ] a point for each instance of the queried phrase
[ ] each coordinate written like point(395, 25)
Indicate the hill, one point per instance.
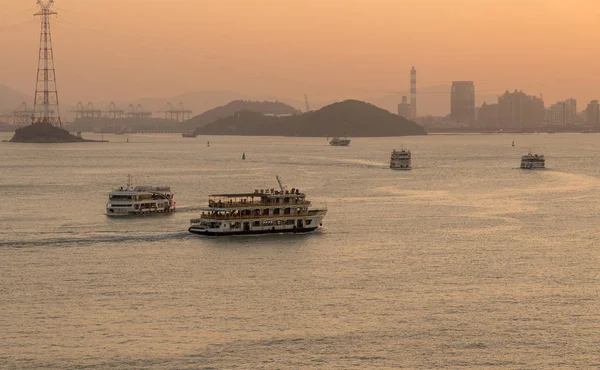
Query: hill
point(10, 99)
point(44, 133)
point(231, 108)
point(347, 118)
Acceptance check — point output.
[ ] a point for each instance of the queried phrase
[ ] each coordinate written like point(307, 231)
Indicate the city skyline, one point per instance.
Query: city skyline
point(114, 51)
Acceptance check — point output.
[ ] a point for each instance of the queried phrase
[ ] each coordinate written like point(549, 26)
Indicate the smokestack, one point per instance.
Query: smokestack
point(413, 93)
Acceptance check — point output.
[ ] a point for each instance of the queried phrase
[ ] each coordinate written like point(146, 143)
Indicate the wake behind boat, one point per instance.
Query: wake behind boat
point(132, 200)
point(262, 212)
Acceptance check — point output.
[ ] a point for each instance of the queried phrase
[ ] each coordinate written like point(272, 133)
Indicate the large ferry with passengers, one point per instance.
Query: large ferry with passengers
point(263, 211)
point(400, 160)
point(533, 161)
point(132, 200)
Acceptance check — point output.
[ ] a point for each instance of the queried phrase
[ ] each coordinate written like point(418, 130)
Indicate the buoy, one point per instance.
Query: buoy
point(208, 143)
point(513, 143)
point(243, 155)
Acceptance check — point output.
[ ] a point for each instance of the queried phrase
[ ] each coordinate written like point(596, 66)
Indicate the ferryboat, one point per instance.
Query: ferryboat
point(189, 134)
point(533, 161)
point(263, 211)
point(132, 200)
point(336, 141)
point(400, 160)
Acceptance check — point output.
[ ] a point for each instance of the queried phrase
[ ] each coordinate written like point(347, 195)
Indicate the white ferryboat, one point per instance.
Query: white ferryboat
point(532, 161)
point(336, 141)
point(140, 200)
point(262, 212)
point(400, 160)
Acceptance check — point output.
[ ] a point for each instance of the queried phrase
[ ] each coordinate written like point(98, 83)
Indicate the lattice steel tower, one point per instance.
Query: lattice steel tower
point(413, 93)
point(45, 108)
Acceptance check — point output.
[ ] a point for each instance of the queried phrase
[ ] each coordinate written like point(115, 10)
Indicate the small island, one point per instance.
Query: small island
point(44, 132)
point(346, 118)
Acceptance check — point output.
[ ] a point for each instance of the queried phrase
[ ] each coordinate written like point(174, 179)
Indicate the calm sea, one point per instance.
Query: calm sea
point(464, 262)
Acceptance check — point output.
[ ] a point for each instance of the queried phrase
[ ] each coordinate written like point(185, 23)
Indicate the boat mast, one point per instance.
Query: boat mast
point(281, 186)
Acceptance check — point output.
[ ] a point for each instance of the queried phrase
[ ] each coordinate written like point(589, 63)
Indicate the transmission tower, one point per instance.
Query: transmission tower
point(306, 106)
point(45, 106)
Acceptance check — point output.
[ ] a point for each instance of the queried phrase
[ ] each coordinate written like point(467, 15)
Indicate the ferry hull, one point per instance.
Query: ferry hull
point(138, 214)
point(205, 232)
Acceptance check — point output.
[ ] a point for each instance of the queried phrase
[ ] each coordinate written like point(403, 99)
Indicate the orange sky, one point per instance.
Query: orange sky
point(331, 49)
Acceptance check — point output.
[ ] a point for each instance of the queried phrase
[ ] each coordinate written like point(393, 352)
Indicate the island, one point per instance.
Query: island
point(347, 118)
point(43, 132)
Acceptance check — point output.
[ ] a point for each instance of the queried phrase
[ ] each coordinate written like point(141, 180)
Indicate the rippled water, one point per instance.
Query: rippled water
point(464, 262)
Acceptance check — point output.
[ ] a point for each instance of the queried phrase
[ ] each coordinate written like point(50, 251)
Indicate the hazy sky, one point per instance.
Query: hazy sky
point(331, 49)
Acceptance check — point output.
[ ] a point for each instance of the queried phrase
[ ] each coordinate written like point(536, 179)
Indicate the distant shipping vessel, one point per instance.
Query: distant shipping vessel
point(533, 161)
point(400, 160)
point(189, 134)
point(132, 200)
point(336, 141)
point(264, 211)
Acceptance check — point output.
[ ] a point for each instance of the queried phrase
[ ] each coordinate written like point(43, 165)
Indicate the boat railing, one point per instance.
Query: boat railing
point(213, 216)
point(232, 204)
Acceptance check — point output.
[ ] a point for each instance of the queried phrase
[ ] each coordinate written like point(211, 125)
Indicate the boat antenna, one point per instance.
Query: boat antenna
point(281, 186)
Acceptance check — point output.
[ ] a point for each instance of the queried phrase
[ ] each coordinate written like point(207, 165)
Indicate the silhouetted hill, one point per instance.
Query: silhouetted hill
point(347, 118)
point(231, 108)
point(44, 133)
point(10, 99)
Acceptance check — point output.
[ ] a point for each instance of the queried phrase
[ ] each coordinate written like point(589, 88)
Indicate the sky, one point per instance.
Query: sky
point(329, 49)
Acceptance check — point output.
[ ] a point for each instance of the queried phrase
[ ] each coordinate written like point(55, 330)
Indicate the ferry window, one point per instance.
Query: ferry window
point(256, 223)
point(289, 222)
point(308, 222)
point(287, 211)
point(266, 212)
point(276, 211)
point(286, 200)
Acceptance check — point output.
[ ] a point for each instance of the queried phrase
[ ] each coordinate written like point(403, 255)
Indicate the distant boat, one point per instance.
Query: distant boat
point(532, 161)
point(189, 134)
point(551, 132)
point(208, 143)
point(243, 155)
point(400, 160)
point(336, 141)
point(513, 143)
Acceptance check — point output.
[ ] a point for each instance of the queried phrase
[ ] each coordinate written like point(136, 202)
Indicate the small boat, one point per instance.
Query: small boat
point(400, 160)
point(336, 141)
point(513, 143)
point(189, 134)
point(243, 155)
point(533, 161)
point(264, 211)
point(132, 200)
point(208, 143)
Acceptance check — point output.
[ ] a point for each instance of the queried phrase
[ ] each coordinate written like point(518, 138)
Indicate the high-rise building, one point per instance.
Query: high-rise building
point(404, 109)
point(570, 111)
point(488, 116)
point(519, 111)
point(413, 93)
point(592, 114)
point(558, 114)
point(462, 102)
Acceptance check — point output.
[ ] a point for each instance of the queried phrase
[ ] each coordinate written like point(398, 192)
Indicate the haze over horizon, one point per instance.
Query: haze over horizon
point(332, 50)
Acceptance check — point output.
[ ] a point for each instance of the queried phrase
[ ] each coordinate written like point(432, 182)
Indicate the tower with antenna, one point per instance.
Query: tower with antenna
point(413, 93)
point(45, 108)
point(306, 105)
